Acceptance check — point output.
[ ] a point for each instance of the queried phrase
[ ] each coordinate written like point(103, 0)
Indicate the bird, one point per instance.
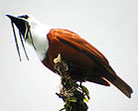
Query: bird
point(85, 62)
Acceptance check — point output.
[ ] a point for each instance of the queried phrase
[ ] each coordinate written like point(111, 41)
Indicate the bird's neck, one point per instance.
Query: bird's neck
point(39, 36)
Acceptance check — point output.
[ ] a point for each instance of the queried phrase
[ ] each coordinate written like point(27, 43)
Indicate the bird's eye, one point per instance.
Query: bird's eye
point(24, 16)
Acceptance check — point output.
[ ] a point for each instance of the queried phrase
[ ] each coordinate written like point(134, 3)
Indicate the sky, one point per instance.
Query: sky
point(110, 25)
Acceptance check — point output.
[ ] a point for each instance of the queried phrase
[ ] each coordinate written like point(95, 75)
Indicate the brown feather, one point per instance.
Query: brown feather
point(85, 61)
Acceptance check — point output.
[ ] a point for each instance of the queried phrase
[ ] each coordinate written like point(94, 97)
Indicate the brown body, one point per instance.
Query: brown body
point(85, 61)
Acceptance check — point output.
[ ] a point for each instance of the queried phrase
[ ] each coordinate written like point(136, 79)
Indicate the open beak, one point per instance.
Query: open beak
point(20, 23)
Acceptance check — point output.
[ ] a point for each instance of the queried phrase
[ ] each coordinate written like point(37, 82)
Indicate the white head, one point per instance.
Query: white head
point(33, 32)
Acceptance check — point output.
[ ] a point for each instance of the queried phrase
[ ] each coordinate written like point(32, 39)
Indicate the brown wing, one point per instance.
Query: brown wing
point(76, 42)
point(82, 45)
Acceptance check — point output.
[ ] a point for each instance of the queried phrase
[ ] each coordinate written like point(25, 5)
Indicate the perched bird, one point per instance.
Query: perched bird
point(85, 62)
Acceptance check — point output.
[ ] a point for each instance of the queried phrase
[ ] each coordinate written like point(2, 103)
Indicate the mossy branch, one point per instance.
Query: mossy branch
point(73, 94)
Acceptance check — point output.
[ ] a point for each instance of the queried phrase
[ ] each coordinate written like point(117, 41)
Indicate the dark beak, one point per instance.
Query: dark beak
point(20, 23)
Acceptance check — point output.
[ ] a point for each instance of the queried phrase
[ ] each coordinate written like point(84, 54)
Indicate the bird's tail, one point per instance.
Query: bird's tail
point(120, 84)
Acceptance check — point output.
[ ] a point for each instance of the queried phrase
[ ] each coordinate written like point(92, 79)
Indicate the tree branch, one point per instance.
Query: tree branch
point(73, 94)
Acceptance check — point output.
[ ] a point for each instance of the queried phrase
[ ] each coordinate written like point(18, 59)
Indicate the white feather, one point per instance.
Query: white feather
point(39, 35)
